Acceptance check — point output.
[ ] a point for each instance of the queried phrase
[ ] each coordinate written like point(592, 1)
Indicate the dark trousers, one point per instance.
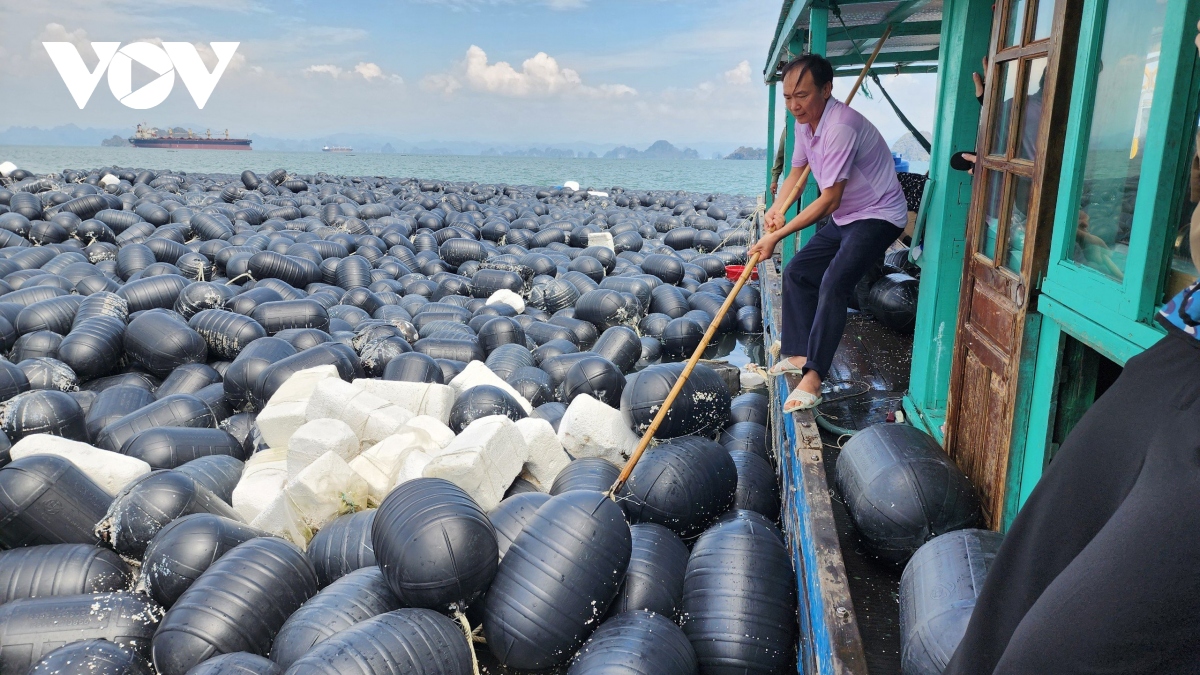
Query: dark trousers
point(817, 284)
point(1100, 572)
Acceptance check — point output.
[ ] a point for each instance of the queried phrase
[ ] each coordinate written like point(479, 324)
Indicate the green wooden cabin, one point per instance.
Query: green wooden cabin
point(1042, 273)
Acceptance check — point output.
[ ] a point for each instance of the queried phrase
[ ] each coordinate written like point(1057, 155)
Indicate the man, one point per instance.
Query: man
point(854, 169)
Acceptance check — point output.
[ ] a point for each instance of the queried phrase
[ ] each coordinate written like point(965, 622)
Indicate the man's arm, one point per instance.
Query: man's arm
point(824, 205)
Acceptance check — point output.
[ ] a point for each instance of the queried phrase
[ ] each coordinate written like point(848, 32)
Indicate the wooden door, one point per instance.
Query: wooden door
point(1012, 211)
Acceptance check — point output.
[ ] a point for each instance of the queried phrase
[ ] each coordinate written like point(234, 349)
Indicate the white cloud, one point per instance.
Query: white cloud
point(540, 76)
point(325, 68)
point(56, 32)
point(740, 74)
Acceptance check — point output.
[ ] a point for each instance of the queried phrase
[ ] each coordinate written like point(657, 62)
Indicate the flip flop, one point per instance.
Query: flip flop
point(783, 367)
point(801, 400)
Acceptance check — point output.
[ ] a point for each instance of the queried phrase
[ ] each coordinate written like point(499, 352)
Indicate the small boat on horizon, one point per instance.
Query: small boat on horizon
point(337, 148)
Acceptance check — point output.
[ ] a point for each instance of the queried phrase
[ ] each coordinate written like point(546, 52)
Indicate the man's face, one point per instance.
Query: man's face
point(803, 98)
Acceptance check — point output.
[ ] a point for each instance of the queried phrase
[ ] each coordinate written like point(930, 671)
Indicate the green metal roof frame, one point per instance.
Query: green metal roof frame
point(860, 37)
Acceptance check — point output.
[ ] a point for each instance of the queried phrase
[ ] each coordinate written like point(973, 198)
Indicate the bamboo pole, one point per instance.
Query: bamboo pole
point(712, 327)
point(795, 193)
point(687, 371)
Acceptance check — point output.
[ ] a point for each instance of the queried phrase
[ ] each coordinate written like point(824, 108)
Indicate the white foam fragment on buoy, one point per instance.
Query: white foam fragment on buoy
point(110, 470)
point(591, 429)
point(419, 398)
point(751, 380)
point(317, 437)
point(477, 373)
point(507, 297)
point(300, 386)
point(604, 239)
point(483, 460)
point(109, 179)
point(441, 434)
point(546, 454)
point(277, 422)
point(281, 519)
point(263, 478)
point(326, 489)
point(380, 464)
point(6, 169)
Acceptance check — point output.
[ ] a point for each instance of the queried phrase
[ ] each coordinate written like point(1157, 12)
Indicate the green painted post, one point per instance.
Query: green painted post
point(767, 196)
point(795, 46)
point(818, 40)
point(966, 32)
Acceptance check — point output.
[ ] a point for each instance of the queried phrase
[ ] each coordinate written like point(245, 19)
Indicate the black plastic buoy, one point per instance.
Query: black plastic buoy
point(402, 641)
point(237, 663)
point(511, 516)
point(757, 484)
point(33, 628)
point(483, 400)
point(633, 643)
point(187, 546)
point(45, 499)
point(574, 552)
point(60, 569)
point(585, 473)
point(701, 409)
point(682, 486)
point(147, 504)
point(436, 547)
point(95, 657)
point(901, 489)
point(654, 578)
point(342, 546)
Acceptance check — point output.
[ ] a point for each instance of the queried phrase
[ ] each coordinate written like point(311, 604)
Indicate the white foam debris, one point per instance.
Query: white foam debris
point(507, 297)
point(110, 470)
point(370, 417)
point(263, 478)
point(380, 464)
point(317, 437)
point(281, 518)
point(591, 429)
point(441, 434)
point(326, 489)
point(477, 373)
point(419, 398)
point(7, 168)
point(604, 239)
point(285, 412)
point(546, 454)
point(483, 460)
point(751, 380)
point(413, 466)
point(109, 179)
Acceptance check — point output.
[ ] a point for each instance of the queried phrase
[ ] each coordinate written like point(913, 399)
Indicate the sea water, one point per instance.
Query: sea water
point(737, 177)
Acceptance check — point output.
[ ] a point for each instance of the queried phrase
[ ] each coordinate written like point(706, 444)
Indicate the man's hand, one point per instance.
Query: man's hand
point(774, 187)
point(774, 220)
point(765, 247)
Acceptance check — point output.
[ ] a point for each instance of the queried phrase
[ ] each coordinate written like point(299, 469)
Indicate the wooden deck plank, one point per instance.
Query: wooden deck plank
point(830, 642)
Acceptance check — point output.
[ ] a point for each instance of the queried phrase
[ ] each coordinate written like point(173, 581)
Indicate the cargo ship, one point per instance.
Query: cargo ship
point(150, 137)
point(337, 148)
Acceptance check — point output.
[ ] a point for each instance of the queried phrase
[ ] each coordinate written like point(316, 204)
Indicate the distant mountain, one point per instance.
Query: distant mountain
point(557, 153)
point(114, 142)
point(62, 135)
point(657, 150)
point(387, 149)
point(910, 149)
point(746, 152)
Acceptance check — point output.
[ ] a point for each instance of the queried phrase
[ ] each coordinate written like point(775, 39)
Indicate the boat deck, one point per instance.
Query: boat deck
point(849, 606)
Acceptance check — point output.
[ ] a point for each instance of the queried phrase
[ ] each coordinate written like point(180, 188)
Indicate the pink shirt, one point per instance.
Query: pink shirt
point(847, 147)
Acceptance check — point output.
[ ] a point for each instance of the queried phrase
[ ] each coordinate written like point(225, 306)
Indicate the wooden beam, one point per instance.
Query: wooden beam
point(847, 72)
point(888, 58)
point(783, 37)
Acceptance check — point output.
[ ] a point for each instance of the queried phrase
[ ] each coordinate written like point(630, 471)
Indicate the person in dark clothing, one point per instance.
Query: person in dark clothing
point(1100, 571)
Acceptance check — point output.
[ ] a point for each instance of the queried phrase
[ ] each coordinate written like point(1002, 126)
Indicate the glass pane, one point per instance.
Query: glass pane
point(1124, 90)
point(1031, 111)
point(1018, 217)
point(1016, 23)
point(1002, 113)
point(1044, 21)
point(1181, 271)
point(991, 213)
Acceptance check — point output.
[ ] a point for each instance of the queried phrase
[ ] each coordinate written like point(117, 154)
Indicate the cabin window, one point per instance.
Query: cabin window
point(991, 216)
point(1004, 109)
point(1181, 272)
point(1120, 119)
point(1018, 215)
point(1044, 20)
point(1016, 22)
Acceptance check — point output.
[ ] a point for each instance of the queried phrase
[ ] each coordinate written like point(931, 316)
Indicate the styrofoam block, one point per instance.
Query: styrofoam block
point(507, 297)
point(483, 460)
point(381, 463)
point(110, 470)
point(441, 434)
point(751, 380)
point(412, 467)
point(278, 421)
point(384, 422)
point(477, 373)
point(7, 168)
point(300, 385)
point(281, 518)
point(317, 437)
point(546, 454)
point(109, 179)
point(419, 398)
point(263, 477)
point(604, 239)
point(326, 489)
point(591, 429)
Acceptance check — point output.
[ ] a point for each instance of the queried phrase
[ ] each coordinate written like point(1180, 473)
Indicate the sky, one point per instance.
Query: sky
point(515, 72)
